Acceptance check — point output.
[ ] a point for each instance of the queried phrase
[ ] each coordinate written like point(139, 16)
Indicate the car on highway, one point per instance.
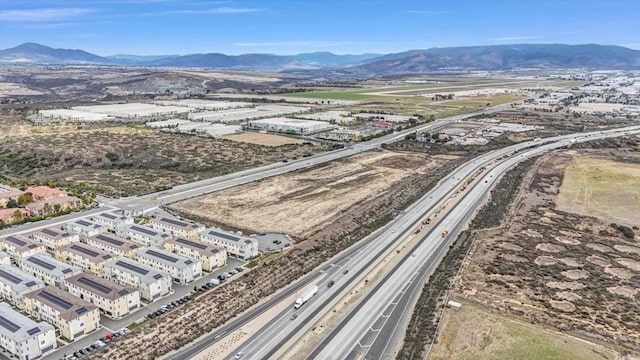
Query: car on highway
point(346, 271)
point(294, 316)
point(330, 284)
point(239, 355)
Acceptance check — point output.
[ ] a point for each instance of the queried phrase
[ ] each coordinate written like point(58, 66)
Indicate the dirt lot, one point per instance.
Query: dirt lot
point(126, 159)
point(569, 271)
point(263, 139)
point(602, 188)
point(275, 204)
point(495, 336)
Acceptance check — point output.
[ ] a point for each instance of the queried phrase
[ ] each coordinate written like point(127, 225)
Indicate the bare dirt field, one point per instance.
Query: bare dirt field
point(578, 273)
point(602, 188)
point(126, 159)
point(478, 332)
point(301, 203)
point(263, 139)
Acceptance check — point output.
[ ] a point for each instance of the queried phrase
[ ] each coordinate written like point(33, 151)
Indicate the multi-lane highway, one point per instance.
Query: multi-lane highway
point(271, 338)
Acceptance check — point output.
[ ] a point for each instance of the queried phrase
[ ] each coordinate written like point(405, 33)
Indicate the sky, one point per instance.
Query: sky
point(166, 27)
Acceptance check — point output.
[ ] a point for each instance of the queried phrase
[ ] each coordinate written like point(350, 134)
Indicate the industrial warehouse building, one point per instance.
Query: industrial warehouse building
point(85, 228)
point(18, 247)
point(143, 235)
point(24, 338)
point(113, 299)
point(114, 245)
point(84, 256)
point(15, 284)
point(151, 283)
point(71, 315)
point(242, 247)
point(48, 269)
point(53, 238)
point(112, 220)
point(182, 269)
point(286, 125)
point(210, 256)
point(177, 227)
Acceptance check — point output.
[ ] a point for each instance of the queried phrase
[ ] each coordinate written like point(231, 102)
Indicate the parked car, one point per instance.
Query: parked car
point(240, 269)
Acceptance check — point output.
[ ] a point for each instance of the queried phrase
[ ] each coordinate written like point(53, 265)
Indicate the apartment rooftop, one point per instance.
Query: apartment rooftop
point(70, 307)
point(145, 273)
point(165, 257)
point(52, 233)
point(15, 326)
point(147, 232)
point(85, 225)
point(175, 223)
point(20, 242)
point(109, 240)
point(94, 255)
point(225, 236)
point(100, 286)
point(18, 280)
point(200, 247)
point(49, 265)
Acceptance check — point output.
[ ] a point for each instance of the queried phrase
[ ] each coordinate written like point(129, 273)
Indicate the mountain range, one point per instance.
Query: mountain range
point(495, 57)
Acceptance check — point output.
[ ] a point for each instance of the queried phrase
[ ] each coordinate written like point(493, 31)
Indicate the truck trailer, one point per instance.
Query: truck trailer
point(306, 296)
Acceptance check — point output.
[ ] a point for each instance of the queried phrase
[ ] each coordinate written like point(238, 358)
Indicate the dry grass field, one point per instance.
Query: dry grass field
point(482, 101)
point(300, 203)
point(475, 332)
point(263, 139)
point(602, 188)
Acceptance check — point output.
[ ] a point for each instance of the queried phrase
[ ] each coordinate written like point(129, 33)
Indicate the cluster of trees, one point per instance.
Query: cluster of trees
point(625, 230)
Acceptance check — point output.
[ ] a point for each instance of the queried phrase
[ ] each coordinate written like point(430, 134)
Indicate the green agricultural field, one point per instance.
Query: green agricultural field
point(474, 332)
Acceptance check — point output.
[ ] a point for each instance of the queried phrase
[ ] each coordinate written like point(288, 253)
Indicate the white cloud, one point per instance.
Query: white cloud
point(41, 15)
point(513, 38)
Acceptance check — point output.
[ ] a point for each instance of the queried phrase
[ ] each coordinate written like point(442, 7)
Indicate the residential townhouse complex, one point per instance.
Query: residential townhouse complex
point(15, 284)
point(177, 227)
point(143, 235)
point(113, 299)
point(114, 245)
point(5, 258)
point(152, 283)
point(24, 338)
point(209, 255)
point(242, 247)
point(71, 315)
point(53, 238)
point(84, 256)
point(182, 269)
point(48, 269)
point(19, 246)
point(85, 228)
point(112, 221)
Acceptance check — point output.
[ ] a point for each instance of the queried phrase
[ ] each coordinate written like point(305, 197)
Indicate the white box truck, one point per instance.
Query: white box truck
point(306, 296)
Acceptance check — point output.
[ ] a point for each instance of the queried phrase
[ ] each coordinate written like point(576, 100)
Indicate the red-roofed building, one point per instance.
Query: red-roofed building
point(45, 193)
point(6, 215)
point(7, 194)
point(380, 123)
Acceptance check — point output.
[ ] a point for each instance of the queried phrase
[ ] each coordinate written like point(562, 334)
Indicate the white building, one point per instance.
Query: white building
point(182, 269)
point(18, 247)
point(114, 245)
point(48, 269)
point(85, 228)
point(144, 235)
point(53, 238)
point(242, 247)
point(210, 256)
point(71, 315)
point(24, 338)
point(112, 221)
point(14, 284)
point(5, 258)
point(84, 256)
point(295, 126)
point(113, 299)
point(177, 227)
point(152, 283)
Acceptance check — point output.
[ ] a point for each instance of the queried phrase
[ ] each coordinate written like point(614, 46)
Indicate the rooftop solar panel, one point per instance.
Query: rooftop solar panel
point(84, 223)
point(30, 284)
point(55, 300)
point(10, 277)
point(50, 232)
point(123, 292)
point(84, 250)
point(94, 285)
point(162, 256)
point(132, 267)
point(66, 271)
point(108, 216)
point(35, 330)
point(7, 324)
point(41, 263)
point(191, 243)
point(224, 236)
point(157, 276)
point(144, 230)
point(110, 240)
point(174, 222)
point(188, 262)
point(16, 241)
point(81, 310)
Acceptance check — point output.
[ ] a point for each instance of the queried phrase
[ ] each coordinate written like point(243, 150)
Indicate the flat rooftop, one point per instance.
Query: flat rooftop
point(111, 216)
point(86, 225)
point(48, 264)
point(99, 286)
point(145, 273)
point(171, 222)
point(52, 233)
point(17, 327)
point(225, 236)
point(200, 247)
point(165, 257)
point(20, 242)
point(70, 307)
point(88, 252)
point(18, 280)
point(113, 241)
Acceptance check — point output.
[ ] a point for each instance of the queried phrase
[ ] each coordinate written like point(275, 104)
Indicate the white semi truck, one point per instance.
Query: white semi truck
point(306, 296)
